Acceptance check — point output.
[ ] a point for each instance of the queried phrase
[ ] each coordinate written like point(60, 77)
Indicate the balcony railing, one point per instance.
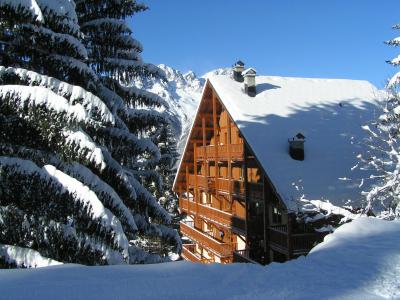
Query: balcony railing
point(206, 241)
point(202, 181)
point(238, 225)
point(189, 253)
point(236, 152)
point(242, 256)
point(206, 212)
point(301, 243)
point(236, 187)
point(255, 191)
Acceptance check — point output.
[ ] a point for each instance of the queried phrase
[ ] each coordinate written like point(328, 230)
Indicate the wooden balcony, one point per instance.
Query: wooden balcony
point(208, 152)
point(238, 225)
point(242, 256)
point(189, 253)
point(236, 187)
point(206, 241)
point(255, 191)
point(301, 243)
point(205, 212)
point(207, 183)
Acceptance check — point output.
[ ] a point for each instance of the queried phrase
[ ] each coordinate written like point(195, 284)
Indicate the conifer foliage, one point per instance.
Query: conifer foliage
point(383, 156)
point(75, 141)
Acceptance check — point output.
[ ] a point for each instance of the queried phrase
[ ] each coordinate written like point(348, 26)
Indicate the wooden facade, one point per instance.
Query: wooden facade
point(233, 211)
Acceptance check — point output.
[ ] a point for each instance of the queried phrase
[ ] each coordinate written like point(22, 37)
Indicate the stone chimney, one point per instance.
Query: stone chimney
point(238, 68)
point(296, 146)
point(249, 76)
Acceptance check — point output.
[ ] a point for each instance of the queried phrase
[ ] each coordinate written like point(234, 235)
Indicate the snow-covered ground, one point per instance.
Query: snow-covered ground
point(360, 260)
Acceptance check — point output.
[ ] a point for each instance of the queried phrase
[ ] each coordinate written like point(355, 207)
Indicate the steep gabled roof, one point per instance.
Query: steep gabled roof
point(329, 112)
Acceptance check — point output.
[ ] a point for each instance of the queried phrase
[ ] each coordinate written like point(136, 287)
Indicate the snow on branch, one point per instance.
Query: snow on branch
point(394, 81)
point(155, 209)
point(146, 118)
point(87, 197)
point(62, 12)
point(30, 6)
point(73, 64)
point(394, 42)
point(136, 67)
point(395, 61)
point(61, 39)
point(106, 192)
point(143, 97)
point(74, 94)
point(82, 144)
point(137, 144)
point(22, 97)
point(110, 25)
point(24, 258)
point(79, 192)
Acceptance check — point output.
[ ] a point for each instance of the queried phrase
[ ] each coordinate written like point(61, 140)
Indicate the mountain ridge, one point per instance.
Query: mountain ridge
point(182, 92)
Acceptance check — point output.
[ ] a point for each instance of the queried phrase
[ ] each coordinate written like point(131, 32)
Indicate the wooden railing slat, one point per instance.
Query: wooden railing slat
point(207, 212)
point(221, 249)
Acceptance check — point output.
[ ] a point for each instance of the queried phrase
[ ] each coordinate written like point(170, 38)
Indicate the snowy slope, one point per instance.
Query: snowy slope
point(360, 260)
point(182, 91)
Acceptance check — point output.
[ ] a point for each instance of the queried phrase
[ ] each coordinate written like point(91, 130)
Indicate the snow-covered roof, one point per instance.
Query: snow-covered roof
point(329, 112)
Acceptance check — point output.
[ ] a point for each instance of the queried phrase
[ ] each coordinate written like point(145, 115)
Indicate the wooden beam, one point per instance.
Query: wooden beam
point(201, 129)
point(205, 161)
point(187, 187)
point(216, 140)
point(229, 162)
point(289, 236)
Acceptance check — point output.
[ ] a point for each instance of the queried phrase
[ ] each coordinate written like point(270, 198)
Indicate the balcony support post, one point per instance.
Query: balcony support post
point(229, 164)
point(196, 184)
point(216, 140)
point(289, 237)
point(246, 194)
point(187, 186)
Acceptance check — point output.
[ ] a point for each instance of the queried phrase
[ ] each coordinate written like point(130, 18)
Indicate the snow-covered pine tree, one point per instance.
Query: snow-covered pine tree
point(164, 138)
point(62, 192)
point(383, 155)
point(115, 57)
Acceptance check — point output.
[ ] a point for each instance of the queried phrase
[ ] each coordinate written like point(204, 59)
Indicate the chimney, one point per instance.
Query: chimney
point(250, 82)
point(238, 68)
point(296, 146)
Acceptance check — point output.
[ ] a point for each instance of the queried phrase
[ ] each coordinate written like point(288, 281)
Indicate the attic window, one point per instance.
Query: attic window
point(296, 146)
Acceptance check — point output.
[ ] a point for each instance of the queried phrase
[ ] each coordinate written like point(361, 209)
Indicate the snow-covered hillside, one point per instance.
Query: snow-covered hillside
point(182, 91)
point(360, 260)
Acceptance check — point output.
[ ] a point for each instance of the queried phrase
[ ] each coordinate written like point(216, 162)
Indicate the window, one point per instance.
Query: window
point(276, 215)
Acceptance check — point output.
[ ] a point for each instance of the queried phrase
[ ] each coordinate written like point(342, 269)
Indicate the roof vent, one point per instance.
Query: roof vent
point(250, 82)
point(238, 68)
point(296, 146)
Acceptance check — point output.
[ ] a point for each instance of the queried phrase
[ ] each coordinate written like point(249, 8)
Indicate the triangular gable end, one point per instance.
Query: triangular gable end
point(204, 114)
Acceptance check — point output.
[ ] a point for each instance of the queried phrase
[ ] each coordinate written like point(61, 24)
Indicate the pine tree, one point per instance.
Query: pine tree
point(115, 57)
point(167, 143)
point(65, 162)
point(383, 155)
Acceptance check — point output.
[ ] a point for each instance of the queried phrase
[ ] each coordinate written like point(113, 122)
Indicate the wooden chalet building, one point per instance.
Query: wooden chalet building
point(257, 147)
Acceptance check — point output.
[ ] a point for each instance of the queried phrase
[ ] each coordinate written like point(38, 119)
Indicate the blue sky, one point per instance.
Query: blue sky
point(306, 38)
